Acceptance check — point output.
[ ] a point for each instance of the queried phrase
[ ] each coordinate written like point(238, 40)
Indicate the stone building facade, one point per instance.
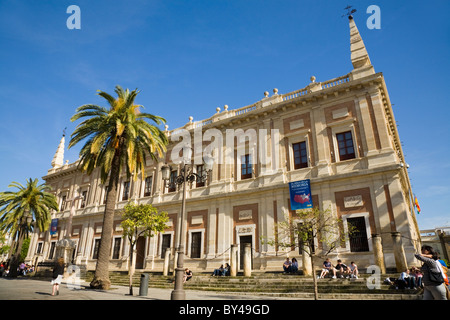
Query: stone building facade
point(340, 134)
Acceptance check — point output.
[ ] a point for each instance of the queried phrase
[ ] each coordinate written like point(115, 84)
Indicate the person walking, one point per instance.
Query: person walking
point(57, 276)
point(433, 280)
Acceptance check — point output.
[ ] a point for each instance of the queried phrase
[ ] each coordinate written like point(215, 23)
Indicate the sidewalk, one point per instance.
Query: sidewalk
point(30, 289)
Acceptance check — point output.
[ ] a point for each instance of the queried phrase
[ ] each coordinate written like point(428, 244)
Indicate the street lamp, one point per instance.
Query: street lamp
point(187, 175)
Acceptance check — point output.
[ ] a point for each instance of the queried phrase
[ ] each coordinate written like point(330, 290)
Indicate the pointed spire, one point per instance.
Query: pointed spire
point(359, 56)
point(58, 159)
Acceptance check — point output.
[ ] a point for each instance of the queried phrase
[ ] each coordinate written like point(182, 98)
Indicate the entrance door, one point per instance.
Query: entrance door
point(165, 244)
point(242, 241)
point(140, 253)
point(196, 245)
point(358, 236)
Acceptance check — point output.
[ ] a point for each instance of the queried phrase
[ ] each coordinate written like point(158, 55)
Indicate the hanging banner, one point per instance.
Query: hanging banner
point(300, 194)
point(54, 226)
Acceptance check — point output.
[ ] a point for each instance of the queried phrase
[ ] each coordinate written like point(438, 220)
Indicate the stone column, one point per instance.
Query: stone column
point(399, 252)
point(378, 252)
point(247, 260)
point(166, 262)
point(175, 261)
point(234, 260)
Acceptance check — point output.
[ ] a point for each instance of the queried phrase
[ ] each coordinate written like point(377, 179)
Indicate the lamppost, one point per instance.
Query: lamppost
point(187, 175)
point(23, 225)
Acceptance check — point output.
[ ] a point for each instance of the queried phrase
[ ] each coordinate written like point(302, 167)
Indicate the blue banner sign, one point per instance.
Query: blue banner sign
point(54, 226)
point(300, 194)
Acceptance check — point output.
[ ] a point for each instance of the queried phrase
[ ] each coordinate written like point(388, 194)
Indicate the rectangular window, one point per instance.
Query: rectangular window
point(300, 155)
point(200, 172)
point(196, 244)
point(39, 248)
point(52, 250)
point(63, 204)
point(172, 179)
point(95, 251)
point(116, 248)
point(246, 167)
point(345, 145)
point(84, 198)
point(148, 186)
point(126, 190)
point(358, 235)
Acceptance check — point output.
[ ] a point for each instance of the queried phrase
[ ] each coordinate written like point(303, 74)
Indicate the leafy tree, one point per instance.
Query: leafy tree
point(141, 220)
point(118, 137)
point(32, 200)
point(313, 231)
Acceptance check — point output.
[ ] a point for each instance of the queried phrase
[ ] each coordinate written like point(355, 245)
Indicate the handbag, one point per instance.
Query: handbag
point(436, 277)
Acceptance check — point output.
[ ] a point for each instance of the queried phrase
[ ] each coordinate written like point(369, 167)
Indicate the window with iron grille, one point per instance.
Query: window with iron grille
point(358, 235)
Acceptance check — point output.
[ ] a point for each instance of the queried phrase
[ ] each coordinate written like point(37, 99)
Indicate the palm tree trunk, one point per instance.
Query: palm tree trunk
point(15, 257)
point(101, 276)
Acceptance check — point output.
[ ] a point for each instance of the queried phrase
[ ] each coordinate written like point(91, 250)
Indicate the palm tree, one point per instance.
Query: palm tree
point(117, 138)
point(32, 201)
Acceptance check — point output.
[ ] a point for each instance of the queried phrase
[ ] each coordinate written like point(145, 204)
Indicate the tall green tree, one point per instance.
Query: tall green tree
point(116, 138)
point(30, 201)
point(141, 220)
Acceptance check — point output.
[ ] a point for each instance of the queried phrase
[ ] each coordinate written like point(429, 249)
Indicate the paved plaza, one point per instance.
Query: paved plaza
point(198, 304)
point(30, 289)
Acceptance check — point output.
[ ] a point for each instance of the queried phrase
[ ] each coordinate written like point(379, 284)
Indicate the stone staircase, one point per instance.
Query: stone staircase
point(273, 284)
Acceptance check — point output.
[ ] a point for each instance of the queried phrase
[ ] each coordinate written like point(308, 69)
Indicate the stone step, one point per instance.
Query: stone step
point(270, 284)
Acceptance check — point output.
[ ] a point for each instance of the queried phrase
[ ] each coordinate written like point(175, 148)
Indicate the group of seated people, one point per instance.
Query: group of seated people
point(339, 270)
point(290, 266)
point(222, 271)
point(409, 279)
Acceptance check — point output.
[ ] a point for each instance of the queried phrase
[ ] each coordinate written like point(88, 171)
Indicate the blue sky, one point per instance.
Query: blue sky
point(190, 57)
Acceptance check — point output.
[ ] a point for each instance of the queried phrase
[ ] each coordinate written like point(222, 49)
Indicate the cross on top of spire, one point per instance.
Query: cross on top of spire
point(349, 12)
